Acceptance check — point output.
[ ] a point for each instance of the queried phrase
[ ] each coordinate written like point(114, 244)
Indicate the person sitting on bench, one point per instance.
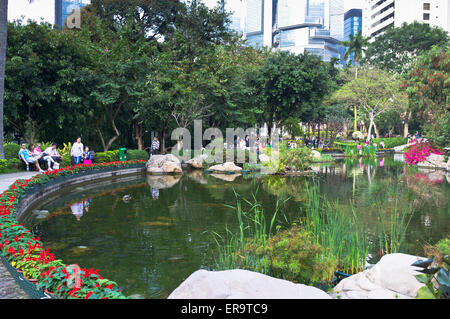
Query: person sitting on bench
point(26, 156)
point(52, 157)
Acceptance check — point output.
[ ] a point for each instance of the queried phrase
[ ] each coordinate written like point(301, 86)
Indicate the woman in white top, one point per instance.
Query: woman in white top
point(77, 151)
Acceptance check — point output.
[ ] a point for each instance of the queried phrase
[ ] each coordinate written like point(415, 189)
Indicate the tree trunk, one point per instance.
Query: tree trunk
point(406, 126)
point(3, 36)
point(377, 133)
point(369, 132)
point(139, 133)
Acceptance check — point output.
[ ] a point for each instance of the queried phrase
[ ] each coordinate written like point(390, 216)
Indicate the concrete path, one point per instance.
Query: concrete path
point(8, 286)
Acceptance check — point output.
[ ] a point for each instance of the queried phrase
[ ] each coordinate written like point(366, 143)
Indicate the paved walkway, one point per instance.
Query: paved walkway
point(8, 286)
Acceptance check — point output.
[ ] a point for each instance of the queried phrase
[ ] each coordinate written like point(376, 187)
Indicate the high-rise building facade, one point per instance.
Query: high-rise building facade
point(64, 8)
point(352, 26)
point(315, 26)
point(378, 15)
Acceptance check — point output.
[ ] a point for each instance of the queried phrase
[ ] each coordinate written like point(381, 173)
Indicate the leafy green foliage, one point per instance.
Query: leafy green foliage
point(11, 150)
point(428, 88)
point(137, 155)
point(292, 255)
point(109, 156)
point(395, 49)
point(436, 273)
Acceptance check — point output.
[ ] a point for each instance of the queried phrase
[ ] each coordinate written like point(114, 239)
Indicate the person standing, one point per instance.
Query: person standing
point(155, 146)
point(77, 151)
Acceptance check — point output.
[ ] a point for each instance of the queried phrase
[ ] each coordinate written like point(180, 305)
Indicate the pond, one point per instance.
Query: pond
point(149, 233)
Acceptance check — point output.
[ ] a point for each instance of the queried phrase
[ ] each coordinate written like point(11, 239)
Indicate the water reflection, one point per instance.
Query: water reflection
point(151, 244)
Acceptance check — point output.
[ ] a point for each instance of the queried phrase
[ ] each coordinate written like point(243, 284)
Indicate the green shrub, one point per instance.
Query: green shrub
point(293, 255)
point(298, 159)
point(133, 155)
point(109, 156)
point(12, 150)
point(390, 142)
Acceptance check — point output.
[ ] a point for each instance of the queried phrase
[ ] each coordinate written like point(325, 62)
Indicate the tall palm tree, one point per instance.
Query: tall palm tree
point(357, 44)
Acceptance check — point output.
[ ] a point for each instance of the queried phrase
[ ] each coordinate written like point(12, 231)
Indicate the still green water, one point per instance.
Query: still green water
point(161, 232)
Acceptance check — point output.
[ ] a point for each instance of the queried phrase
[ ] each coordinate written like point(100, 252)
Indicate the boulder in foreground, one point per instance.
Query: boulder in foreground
point(242, 284)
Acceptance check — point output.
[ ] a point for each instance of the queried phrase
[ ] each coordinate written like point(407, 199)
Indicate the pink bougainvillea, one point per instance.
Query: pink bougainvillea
point(419, 152)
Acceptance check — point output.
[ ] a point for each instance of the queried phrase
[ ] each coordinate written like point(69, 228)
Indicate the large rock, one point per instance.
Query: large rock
point(392, 277)
point(316, 155)
point(197, 162)
point(434, 161)
point(242, 284)
point(164, 164)
point(226, 167)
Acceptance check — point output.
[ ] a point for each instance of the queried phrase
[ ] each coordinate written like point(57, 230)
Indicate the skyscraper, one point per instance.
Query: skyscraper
point(315, 26)
point(378, 15)
point(352, 26)
point(64, 8)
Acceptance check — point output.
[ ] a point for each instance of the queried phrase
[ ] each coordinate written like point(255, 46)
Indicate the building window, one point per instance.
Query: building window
point(426, 16)
point(426, 6)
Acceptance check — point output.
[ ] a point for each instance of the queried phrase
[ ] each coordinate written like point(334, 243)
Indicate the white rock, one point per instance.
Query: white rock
point(197, 162)
point(316, 155)
point(164, 164)
point(391, 278)
point(242, 284)
point(226, 167)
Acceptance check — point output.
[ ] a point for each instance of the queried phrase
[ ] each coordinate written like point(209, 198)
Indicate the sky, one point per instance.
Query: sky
point(46, 9)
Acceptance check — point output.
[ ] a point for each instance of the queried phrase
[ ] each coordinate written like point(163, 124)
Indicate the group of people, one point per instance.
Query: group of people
point(34, 155)
point(314, 142)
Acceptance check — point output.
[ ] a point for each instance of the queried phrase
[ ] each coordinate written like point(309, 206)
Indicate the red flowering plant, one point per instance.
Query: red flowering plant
point(419, 152)
point(72, 282)
point(27, 253)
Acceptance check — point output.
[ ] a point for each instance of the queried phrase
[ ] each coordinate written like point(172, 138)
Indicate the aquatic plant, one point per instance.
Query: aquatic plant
point(341, 233)
point(391, 233)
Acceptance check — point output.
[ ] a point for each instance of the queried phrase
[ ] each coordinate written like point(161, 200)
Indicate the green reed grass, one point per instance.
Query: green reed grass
point(392, 231)
point(254, 228)
point(340, 232)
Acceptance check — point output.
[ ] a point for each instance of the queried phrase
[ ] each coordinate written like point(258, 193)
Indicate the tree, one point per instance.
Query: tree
point(119, 63)
point(292, 85)
point(46, 87)
point(375, 91)
point(428, 88)
point(3, 37)
point(356, 46)
point(396, 49)
point(337, 118)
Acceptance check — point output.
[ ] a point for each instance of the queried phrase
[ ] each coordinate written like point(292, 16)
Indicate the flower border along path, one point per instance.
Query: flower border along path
point(35, 263)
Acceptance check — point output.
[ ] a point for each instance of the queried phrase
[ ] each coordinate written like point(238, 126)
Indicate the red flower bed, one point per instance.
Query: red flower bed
point(419, 152)
point(27, 254)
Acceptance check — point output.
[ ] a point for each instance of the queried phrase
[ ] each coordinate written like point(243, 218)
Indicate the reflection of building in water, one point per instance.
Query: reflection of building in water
point(77, 209)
